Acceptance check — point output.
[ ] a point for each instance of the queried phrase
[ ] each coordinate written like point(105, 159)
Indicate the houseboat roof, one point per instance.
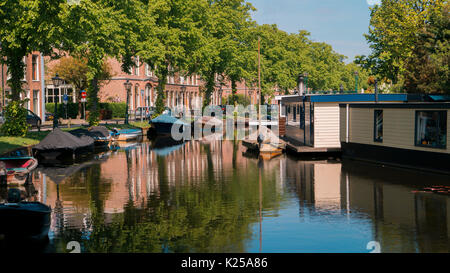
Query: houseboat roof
point(408, 105)
point(346, 98)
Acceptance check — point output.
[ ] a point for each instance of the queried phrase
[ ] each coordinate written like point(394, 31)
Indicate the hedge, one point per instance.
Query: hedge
point(117, 109)
point(72, 109)
point(113, 110)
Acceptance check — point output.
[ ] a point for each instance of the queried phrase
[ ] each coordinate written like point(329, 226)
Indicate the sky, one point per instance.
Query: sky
point(340, 23)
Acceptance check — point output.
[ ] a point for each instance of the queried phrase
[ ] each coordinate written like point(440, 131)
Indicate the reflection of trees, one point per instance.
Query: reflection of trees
point(213, 216)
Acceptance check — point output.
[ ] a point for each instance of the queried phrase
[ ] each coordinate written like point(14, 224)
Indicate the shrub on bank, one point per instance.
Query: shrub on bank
point(117, 110)
point(15, 120)
point(107, 110)
point(72, 109)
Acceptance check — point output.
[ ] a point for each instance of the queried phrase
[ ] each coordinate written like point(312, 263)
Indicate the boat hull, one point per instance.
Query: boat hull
point(128, 135)
point(163, 128)
point(17, 169)
point(29, 220)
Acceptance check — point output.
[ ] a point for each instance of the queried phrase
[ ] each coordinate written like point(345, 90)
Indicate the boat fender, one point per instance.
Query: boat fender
point(14, 196)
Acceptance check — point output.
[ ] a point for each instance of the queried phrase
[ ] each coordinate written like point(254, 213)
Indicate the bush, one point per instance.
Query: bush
point(15, 120)
point(117, 109)
point(107, 110)
point(72, 110)
point(105, 114)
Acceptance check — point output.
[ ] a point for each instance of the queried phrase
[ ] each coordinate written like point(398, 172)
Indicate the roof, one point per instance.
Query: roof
point(347, 98)
point(407, 105)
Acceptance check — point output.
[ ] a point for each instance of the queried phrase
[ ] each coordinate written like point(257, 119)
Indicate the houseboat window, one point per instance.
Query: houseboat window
point(378, 126)
point(431, 129)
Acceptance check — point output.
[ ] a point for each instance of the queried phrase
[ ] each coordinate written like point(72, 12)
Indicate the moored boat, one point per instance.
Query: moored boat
point(17, 168)
point(100, 134)
point(265, 142)
point(163, 124)
point(127, 134)
point(60, 144)
point(24, 220)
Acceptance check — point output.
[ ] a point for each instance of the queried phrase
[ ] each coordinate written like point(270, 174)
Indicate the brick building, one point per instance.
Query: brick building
point(180, 90)
point(32, 83)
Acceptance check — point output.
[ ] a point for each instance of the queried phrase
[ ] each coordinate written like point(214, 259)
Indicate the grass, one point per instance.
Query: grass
point(9, 143)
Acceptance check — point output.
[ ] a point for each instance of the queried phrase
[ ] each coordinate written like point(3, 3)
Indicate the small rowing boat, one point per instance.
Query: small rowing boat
point(17, 167)
point(126, 134)
point(265, 142)
point(100, 134)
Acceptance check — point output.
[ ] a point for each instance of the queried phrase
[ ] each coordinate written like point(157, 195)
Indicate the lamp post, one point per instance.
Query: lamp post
point(127, 86)
point(356, 81)
point(57, 82)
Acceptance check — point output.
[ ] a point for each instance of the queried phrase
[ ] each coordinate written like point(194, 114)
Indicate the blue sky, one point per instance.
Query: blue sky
point(340, 23)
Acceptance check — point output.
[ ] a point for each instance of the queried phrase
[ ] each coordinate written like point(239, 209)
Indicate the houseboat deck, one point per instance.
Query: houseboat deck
point(302, 149)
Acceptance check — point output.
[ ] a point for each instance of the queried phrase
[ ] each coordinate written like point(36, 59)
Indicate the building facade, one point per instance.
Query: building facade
point(33, 83)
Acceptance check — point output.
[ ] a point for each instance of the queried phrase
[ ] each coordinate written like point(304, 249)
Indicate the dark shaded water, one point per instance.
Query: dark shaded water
point(207, 196)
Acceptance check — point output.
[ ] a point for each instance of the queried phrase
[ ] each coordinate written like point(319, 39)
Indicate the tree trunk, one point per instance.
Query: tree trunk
point(93, 102)
point(210, 86)
point(162, 80)
point(234, 91)
point(16, 71)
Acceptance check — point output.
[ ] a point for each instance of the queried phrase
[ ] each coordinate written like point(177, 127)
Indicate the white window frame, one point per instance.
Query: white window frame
point(37, 67)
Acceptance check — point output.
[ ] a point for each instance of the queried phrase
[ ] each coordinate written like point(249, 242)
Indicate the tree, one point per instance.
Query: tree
point(392, 34)
point(97, 29)
point(75, 71)
point(23, 31)
point(427, 70)
point(173, 35)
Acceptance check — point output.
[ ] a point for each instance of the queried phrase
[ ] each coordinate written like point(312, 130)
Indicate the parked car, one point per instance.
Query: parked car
point(49, 116)
point(34, 120)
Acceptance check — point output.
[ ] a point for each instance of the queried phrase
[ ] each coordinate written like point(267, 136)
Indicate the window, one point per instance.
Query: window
point(378, 126)
point(431, 129)
point(148, 71)
point(136, 67)
point(34, 68)
point(36, 101)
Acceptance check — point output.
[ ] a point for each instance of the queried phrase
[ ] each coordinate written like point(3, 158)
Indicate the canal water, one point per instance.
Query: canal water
point(211, 196)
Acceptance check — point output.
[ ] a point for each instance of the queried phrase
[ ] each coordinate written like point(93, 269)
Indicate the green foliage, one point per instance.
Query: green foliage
point(428, 68)
point(72, 109)
point(117, 109)
point(15, 120)
point(393, 35)
point(27, 26)
point(238, 99)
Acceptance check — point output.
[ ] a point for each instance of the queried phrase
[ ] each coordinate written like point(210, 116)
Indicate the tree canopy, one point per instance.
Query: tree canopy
point(398, 34)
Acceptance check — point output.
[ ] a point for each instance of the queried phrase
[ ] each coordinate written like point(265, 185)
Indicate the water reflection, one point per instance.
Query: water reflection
point(206, 196)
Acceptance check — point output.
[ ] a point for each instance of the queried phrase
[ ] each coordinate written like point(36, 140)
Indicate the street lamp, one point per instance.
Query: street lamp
point(305, 75)
point(356, 81)
point(57, 82)
point(127, 86)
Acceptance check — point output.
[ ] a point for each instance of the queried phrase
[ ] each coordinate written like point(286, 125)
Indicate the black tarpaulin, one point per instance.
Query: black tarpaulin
point(63, 140)
point(94, 132)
